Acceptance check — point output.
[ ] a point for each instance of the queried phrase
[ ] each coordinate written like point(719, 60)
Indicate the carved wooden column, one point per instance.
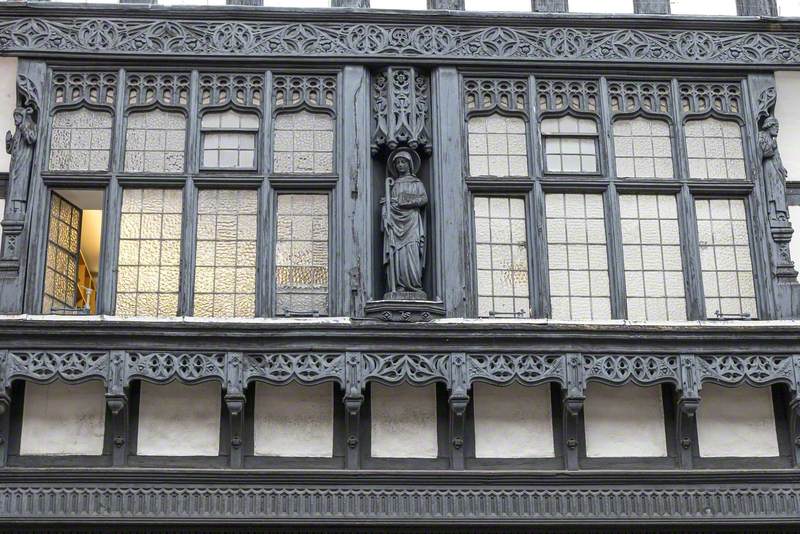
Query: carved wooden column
point(117, 402)
point(458, 401)
point(757, 8)
point(572, 406)
point(234, 402)
point(353, 401)
point(687, 403)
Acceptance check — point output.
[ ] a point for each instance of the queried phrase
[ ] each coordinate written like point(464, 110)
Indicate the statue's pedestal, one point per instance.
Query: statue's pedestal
point(405, 307)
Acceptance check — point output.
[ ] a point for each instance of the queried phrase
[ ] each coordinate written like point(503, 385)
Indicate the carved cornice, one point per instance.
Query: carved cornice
point(28, 30)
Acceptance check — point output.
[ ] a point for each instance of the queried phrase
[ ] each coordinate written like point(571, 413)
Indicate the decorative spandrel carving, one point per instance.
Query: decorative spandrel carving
point(556, 96)
point(640, 370)
point(633, 97)
point(417, 368)
point(774, 175)
point(20, 144)
point(524, 368)
point(488, 94)
point(755, 370)
point(165, 89)
point(307, 368)
point(162, 367)
point(243, 90)
point(699, 98)
point(400, 108)
point(46, 366)
point(94, 88)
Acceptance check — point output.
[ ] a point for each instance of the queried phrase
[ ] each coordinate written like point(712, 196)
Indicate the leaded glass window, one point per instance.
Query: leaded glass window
point(225, 272)
point(301, 254)
point(303, 143)
point(725, 258)
point(570, 145)
point(652, 257)
point(155, 141)
point(642, 148)
point(497, 146)
point(714, 148)
point(577, 256)
point(501, 250)
point(229, 140)
point(63, 248)
point(80, 140)
point(149, 252)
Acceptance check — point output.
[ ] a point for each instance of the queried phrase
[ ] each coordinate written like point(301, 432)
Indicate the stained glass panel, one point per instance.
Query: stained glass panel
point(225, 272)
point(303, 143)
point(301, 254)
point(155, 142)
point(80, 140)
point(497, 146)
point(63, 248)
point(149, 252)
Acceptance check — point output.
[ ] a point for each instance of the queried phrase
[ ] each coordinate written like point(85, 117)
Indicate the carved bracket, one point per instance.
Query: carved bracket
point(401, 110)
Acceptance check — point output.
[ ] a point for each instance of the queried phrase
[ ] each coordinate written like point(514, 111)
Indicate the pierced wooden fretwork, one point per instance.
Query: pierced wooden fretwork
point(700, 98)
point(633, 97)
point(555, 96)
point(487, 94)
point(95, 88)
point(244, 90)
point(290, 91)
point(166, 89)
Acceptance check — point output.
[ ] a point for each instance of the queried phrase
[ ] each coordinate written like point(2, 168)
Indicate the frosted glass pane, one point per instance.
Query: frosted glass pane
point(601, 6)
point(789, 8)
point(577, 257)
point(708, 7)
point(497, 146)
point(652, 258)
point(715, 150)
point(303, 143)
point(225, 261)
point(80, 140)
point(398, 4)
point(301, 254)
point(498, 5)
point(63, 248)
point(570, 154)
point(727, 269)
point(155, 142)
point(149, 252)
point(502, 257)
point(643, 149)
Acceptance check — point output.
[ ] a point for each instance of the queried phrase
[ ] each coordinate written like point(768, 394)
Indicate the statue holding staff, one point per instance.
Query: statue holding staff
point(774, 171)
point(20, 145)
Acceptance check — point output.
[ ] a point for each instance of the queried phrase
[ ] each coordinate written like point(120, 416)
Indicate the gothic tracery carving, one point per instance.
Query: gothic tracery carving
point(165, 89)
point(700, 98)
point(245, 90)
point(560, 95)
point(488, 94)
point(632, 97)
point(316, 91)
point(400, 106)
point(165, 366)
point(280, 368)
point(94, 88)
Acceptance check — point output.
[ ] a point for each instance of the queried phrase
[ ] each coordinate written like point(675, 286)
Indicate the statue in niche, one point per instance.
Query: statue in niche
point(403, 226)
point(20, 145)
point(774, 171)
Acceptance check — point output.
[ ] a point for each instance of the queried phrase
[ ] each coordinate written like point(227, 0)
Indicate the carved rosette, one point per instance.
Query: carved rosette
point(401, 110)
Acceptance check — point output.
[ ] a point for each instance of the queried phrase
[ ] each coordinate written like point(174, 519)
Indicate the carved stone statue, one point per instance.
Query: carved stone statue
point(20, 145)
point(403, 228)
point(774, 171)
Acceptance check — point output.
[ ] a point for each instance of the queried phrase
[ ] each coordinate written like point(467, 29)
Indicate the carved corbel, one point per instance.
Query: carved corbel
point(458, 401)
point(117, 402)
point(572, 406)
point(687, 403)
point(353, 400)
point(235, 402)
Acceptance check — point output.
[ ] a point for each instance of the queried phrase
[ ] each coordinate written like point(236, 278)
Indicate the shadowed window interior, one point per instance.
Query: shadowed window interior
point(73, 251)
point(149, 252)
point(497, 146)
point(80, 140)
point(155, 141)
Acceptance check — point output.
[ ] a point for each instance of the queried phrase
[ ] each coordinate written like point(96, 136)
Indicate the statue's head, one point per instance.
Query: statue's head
point(771, 125)
point(403, 163)
point(19, 115)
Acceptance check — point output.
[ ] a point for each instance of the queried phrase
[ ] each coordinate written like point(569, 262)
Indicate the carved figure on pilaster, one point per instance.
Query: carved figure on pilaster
point(20, 144)
point(775, 174)
point(403, 228)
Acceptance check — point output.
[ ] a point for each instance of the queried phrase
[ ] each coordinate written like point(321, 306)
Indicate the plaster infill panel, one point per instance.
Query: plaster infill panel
point(63, 419)
point(624, 421)
point(513, 421)
point(179, 420)
point(403, 421)
point(736, 422)
point(293, 420)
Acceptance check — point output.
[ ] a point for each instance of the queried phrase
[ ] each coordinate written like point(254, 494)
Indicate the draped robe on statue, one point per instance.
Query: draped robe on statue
point(404, 235)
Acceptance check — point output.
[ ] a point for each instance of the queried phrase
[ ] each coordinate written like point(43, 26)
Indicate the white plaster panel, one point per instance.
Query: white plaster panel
point(736, 422)
point(179, 420)
point(787, 112)
point(63, 419)
point(624, 421)
point(8, 101)
point(794, 246)
point(293, 420)
point(514, 421)
point(403, 421)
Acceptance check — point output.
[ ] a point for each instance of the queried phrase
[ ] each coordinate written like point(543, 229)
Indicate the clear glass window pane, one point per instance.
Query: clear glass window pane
point(652, 258)
point(301, 254)
point(497, 146)
point(708, 7)
point(577, 257)
point(643, 149)
point(155, 141)
point(501, 245)
point(148, 266)
point(570, 154)
point(229, 140)
point(601, 6)
point(714, 148)
point(225, 264)
point(63, 248)
point(725, 259)
point(80, 140)
point(303, 143)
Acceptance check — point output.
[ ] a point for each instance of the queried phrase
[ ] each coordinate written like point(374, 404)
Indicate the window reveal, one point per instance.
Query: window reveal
point(301, 254)
point(225, 272)
point(149, 252)
point(80, 140)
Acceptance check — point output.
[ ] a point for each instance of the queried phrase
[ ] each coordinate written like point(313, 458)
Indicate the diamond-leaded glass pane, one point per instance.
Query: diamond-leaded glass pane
point(225, 265)
point(63, 247)
point(301, 254)
point(149, 252)
point(577, 257)
point(652, 258)
point(155, 141)
point(303, 143)
point(570, 145)
point(714, 149)
point(497, 146)
point(80, 140)
point(725, 260)
point(501, 245)
point(643, 149)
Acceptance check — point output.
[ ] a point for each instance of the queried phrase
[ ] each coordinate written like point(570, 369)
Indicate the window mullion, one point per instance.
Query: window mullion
point(265, 270)
point(537, 249)
point(189, 220)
